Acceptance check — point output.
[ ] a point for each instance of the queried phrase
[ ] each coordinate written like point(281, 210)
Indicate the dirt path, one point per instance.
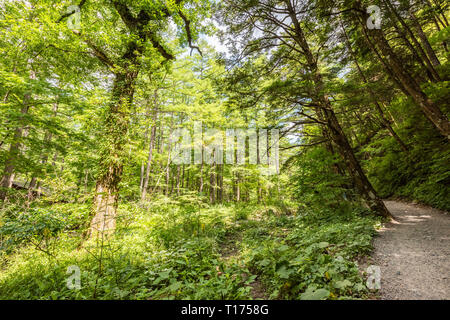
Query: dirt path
point(414, 253)
point(230, 251)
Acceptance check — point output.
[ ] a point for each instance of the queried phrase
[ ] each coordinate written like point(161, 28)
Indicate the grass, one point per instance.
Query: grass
point(179, 249)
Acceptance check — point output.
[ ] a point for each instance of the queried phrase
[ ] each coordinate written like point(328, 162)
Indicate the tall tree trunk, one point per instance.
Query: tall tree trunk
point(167, 184)
point(258, 161)
point(150, 156)
point(178, 179)
point(172, 181)
point(416, 55)
point(237, 187)
point(438, 28)
point(141, 179)
point(44, 158)
point(220, 184)
point(13, 153)
point(201, 176)
point(424, 39)
point(364, 187)
point(440, 11)
point(384, 120)
point(111, 160)
point(385, 64)
point(183, 174)
point(428, 107)
point(31, 189)
point(14, 149)
point(338, 136)
point(188, 179)
point(212, 185)
point(423, 55)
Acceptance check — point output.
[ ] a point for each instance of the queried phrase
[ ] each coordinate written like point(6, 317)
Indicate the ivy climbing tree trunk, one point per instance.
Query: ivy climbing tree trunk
point(111, 161)
point(126, 69)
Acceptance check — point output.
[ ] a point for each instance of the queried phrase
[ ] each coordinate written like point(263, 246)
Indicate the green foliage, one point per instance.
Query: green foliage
point(97, 107)
point(317, 185)
point(171, 250)
point(313, 255)
point(40, 226)
point(34, 225)
point(421, 174)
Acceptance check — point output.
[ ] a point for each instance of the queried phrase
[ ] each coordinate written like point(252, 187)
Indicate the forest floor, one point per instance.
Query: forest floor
point(230, 250)
point(413, 253)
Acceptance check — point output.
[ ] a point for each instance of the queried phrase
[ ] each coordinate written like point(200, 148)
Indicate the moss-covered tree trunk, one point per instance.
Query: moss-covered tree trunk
point(111, 160)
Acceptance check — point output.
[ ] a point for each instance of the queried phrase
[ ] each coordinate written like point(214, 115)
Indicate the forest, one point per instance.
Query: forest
point(220, 150)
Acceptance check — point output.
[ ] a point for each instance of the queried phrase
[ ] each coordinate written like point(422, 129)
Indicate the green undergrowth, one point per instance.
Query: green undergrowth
point(309, 256)
point(423, 172)
point(173, 249)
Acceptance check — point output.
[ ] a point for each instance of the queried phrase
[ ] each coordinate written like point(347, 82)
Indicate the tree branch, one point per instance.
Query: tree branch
point(99, 53)
point(187, 27)
point(304, 145)
point(138, 25)
point(68, 14)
